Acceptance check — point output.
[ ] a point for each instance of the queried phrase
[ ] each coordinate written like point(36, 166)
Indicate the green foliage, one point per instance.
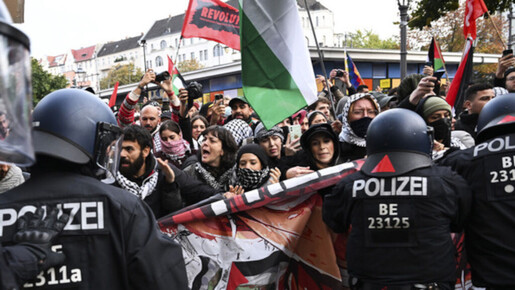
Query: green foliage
point(43, 83)
point(189, 65)
point(124, 74)
point(427, 11)
point(368, 39)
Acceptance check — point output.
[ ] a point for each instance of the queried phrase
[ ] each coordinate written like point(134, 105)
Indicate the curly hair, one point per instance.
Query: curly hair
point(138, 134)
point(229, 146)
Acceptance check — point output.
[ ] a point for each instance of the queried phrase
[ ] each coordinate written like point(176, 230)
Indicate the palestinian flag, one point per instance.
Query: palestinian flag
point(456, 95)
point(435, 58)
point(177, 80)
point(277, 74)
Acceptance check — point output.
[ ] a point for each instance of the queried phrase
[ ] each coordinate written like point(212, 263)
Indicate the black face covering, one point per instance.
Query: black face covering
point(360, 127)
point(442, 129)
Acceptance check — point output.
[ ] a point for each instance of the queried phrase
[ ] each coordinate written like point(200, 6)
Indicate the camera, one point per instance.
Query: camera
point(218, 97)
point(194, 91)
point(162, 77)
point(339, 73)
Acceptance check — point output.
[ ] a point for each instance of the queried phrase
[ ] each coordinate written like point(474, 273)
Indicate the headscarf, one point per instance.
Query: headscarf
point(347, 134)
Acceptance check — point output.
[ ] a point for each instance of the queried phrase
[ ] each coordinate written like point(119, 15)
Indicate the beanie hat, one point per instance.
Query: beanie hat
point(256, 150)
point(433, 104)
point(509, 71)
point(261, 132)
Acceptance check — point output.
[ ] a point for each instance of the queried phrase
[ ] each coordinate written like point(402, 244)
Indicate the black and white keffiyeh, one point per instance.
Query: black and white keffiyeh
point(239, 129)
point(216, 183)
point(140, 191)
point(249, 178)
point(347, 134)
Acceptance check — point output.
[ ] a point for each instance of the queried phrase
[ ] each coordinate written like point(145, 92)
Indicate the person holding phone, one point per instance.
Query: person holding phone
point(505, 73)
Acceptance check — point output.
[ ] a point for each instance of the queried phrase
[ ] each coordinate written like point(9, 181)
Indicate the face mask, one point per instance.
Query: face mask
point(228, 111)
point(360, 127)
point(442, 129)
point(249, 178)
point(177, 147)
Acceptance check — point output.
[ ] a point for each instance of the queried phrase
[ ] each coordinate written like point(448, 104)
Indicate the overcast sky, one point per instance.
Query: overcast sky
point(56, 26)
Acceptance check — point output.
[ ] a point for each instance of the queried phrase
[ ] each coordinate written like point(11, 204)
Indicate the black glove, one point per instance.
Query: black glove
point(37, 235)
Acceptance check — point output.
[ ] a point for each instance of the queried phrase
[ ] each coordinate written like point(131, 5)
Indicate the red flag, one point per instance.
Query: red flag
point(212, 20)
point(456, 95)
point(473, 10)
point(112, 101)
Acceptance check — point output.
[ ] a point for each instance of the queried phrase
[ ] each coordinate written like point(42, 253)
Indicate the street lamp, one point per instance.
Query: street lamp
point(143, 44)
point(403, 8)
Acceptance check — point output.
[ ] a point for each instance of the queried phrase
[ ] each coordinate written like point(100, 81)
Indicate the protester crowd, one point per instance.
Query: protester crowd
point(428, 175)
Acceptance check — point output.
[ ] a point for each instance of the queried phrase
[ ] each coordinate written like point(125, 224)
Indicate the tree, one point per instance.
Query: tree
point(427, 11)
point(123, 74)
point(189, 65)
point(448, 30)
point(43, 83)
point(368, 39)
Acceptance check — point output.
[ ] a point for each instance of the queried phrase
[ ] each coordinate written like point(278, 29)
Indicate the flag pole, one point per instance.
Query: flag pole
point(177, 53)
point(496, 29)
point(321, 58)
point(443, 62)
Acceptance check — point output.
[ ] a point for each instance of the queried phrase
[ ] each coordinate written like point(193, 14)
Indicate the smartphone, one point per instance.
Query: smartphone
point(507, 51)
point(294, 132)
point(218, 97)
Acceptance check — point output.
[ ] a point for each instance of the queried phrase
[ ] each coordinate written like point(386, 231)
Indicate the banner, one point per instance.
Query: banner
point(271, 238)
point(213, 20)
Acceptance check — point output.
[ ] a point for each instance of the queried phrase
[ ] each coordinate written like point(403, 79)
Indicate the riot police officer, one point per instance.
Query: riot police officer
point(401, 208)
point(111, 240)
point(489, 168)
point(31, 252)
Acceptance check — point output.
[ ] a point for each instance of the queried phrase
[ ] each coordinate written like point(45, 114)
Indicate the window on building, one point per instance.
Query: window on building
point(159, 61)
point(149, 64)
point(201, 55)
point(191, 40)
point(179, 58)
point(205, 54)
point(176, 42)
point(218, 50)
point(193, 55)
point(316, 21)
point(183, 57)
point(163, 44)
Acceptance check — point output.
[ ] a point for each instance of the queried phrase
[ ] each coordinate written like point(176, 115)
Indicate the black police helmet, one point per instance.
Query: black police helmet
point(65, 124)
point(402, 136)
point(496, 118)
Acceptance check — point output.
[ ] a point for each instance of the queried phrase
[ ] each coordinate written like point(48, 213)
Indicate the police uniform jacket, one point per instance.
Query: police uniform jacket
point(111, 240)
point(489, 168)
point(401, 224)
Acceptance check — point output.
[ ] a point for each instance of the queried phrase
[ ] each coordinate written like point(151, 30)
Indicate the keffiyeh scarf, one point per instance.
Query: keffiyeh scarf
point(140, 191)
point(216, 183)
point(249, 178)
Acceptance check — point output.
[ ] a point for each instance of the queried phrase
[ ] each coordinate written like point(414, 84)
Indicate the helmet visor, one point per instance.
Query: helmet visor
point(107, 149)
point(15, 103)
